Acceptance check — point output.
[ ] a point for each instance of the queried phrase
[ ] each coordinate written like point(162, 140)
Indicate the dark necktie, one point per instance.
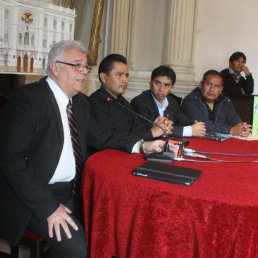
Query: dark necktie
point(76, 150)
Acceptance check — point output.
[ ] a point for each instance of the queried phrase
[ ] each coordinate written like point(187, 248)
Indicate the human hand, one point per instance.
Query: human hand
point(173, 148)
point(245, 70)
point(198, 129)
point(60, 217)
point(168, 125)
point(246, 129)
point(241, 129)
point(163, 122)
point(153, 146)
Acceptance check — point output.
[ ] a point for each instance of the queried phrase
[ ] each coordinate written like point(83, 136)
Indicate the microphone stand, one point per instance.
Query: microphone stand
point(164, 156)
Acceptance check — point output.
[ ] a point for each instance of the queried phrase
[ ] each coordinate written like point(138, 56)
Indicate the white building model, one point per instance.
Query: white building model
point(28, 28)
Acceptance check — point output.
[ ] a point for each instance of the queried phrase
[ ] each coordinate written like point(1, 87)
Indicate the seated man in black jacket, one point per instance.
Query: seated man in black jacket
point(113, 75)
point(234, 83)
point(205, 103)
point(158, 101)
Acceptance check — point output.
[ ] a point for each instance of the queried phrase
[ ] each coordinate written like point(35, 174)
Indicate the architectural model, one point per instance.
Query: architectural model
point(28, 28)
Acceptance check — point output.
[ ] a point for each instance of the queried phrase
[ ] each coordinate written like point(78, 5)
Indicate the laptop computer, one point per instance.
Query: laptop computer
point(168, 173)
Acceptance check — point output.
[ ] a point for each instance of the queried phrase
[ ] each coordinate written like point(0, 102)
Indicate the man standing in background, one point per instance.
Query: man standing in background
point(234, 83)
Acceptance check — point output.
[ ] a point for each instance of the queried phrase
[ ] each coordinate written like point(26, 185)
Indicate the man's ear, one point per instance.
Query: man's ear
point(150, 84)
point(229, 64)
point(221, 89)
point(103, 77)
point(54, 68)
point(201, 83)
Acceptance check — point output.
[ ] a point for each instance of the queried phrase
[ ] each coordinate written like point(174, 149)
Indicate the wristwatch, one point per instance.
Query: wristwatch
point(141, 146)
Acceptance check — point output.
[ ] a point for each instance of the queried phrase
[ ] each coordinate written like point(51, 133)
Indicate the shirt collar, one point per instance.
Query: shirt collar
point(231, 71)
point(107, 94)
point(60, 96)
point(159, 105)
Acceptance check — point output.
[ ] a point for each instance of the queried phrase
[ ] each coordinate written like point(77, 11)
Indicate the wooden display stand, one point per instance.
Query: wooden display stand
point(11, 78)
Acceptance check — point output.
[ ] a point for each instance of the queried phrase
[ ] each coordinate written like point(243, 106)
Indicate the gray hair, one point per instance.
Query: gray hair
point(57, 51)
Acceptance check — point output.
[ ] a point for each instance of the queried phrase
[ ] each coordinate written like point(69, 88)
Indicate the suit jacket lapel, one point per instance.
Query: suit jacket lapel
point(154, 106)
point(56, 112)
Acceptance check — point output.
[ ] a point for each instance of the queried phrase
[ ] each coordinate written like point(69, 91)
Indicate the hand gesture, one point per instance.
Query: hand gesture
point(246, 70)
point(241, 129)
point(165, 123)
point(246, 129)
point(198, 129)
point(61, 217)
point(153, 146)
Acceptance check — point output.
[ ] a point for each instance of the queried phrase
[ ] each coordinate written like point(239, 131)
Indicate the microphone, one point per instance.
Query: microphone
point(144, 118)
point(194, 155)
point(135, 113)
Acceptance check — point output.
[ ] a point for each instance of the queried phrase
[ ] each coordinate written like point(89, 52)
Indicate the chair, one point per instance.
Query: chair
point(35, 243)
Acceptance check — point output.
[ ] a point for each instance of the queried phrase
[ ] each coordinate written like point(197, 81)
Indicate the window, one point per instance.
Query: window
point(26, 39)
point(6, 38)
point(32, 40)
point(20, 39)
point(6, 14)
point(54, 24)
point(45, 22)
point(44, 43)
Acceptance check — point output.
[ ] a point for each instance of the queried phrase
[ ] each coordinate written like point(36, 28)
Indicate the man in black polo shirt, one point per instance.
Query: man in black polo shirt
point(113, 75)
point(205, 103)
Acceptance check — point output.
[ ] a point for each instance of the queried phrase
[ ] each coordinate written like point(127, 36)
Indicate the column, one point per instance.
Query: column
point(181, 37)
point(119, 27)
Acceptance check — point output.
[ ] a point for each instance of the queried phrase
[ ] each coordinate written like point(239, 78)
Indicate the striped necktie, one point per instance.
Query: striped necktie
point(76, 150)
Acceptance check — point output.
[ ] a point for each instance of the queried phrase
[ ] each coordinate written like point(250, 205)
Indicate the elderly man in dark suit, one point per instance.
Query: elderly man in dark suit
point(158, 101)
point(44, 131)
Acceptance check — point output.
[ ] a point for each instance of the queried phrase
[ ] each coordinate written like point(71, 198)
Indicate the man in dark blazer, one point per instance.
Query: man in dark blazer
point(158, 101)
point(37, 158)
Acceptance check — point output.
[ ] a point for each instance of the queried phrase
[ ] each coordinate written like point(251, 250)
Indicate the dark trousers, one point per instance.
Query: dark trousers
point(72, 248)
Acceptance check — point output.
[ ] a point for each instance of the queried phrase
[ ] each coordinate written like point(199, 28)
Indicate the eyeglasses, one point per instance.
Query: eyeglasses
point(77, 67)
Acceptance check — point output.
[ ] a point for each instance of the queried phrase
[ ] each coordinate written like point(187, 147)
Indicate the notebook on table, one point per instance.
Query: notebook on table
point(168, 173)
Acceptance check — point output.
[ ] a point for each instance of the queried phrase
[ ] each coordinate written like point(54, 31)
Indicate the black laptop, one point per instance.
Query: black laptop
point(168, 173)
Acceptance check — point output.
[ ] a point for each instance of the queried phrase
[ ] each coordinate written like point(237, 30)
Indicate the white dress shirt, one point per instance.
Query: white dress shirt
point(65, 170)
point(187, 130)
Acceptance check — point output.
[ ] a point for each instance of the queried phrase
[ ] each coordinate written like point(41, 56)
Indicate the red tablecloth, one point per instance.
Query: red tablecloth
point(131, 216)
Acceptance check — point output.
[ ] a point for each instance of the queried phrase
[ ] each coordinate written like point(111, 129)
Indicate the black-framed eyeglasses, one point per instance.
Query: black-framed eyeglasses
point(77, 67)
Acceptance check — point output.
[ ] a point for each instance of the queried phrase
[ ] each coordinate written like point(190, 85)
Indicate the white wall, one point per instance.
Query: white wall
point(223, 27)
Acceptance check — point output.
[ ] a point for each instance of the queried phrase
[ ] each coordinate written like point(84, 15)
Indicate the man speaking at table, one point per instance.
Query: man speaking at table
point(205, 103)
point(112, 110)
point(45, 129)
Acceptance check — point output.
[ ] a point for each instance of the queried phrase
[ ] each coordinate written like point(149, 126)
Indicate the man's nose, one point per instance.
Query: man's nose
point(84, 70)
point(124, 78)
point(212, 88)
point(161, 87)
